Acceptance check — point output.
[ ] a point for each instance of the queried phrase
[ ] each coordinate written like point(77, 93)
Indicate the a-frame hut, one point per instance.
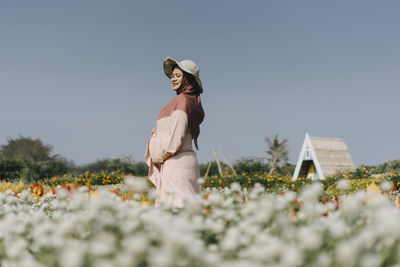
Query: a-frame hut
point(322, 157)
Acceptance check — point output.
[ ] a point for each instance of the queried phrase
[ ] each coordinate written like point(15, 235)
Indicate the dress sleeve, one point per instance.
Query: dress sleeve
point(179, 125)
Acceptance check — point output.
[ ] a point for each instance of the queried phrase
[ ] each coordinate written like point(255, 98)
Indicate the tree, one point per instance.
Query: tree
point(30, 160)
point(278, 152)
point(251, 165)
point(212, 167)
point(125, 164)
point(26, 148)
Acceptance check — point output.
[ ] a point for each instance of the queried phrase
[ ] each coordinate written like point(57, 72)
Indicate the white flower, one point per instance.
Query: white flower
point(235, 187)
point(290, 196)
point(104, 263)
point(311, 192)
point(152, 194)
point(83, 189)
point(347, 253)
point(309, 238)
point(136, 183)
point(136, 244)
point(102, 245)
point(343, 184)
point(291, 256)
point(230, 240)
point(62, 193)
point(371, 260)
point(201, 181)
point(273, 246)
point(214, 198)
point(72, 255)
point(26, 196)
point(386, 186)
point(338, 228)
point(324, 260)
point(124, 259)
point(14, 249)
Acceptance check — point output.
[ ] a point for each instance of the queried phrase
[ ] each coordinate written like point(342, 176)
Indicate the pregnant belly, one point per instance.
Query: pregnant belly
point(155, 145)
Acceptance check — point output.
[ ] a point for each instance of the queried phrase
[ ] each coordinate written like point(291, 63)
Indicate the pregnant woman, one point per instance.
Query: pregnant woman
point(173, 164)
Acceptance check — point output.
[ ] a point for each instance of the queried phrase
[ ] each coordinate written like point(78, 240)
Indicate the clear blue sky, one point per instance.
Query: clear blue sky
point(86, 76)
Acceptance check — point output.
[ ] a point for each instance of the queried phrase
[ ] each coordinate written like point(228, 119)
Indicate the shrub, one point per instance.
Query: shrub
point(10, 169)
point(251, 165)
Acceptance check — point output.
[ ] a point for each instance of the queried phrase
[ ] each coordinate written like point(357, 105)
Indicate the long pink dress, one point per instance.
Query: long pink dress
point(177, 177)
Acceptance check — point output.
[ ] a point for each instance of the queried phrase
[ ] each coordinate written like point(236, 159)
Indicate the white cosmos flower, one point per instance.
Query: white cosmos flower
point(309, 238)
point(311, 192)
point(371, 260)
point(260, 232)
point(62, 193)
point(72, 255)
point(214, 198)
point(323, 260)
point(14, 249)
point(102, 245)
point(235, 187)
point(201, 181)
point(136, 244)
point(338, 228)
point(124, 259)
point(83, 189)
point(291, 256)
point(152, 194)
point(347, 253)
point(136, 183)
point(290, 196)
point(343, 184)
point(386, 186)
point(25, 196)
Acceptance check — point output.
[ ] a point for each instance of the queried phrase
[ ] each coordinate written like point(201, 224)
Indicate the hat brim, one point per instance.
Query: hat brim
point(170, 63)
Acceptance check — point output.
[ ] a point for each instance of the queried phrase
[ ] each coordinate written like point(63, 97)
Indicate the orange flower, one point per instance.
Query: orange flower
point(37, 189)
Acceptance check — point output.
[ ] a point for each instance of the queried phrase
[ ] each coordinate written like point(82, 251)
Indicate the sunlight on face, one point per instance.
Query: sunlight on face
point(176, 79)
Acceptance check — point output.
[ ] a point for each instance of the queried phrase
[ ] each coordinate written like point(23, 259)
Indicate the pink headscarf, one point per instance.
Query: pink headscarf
point(188, 100)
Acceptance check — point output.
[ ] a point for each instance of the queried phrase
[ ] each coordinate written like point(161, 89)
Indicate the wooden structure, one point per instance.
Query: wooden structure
point(322, 157)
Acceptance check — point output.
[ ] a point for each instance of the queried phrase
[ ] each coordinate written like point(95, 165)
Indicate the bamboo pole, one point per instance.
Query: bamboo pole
point(228, 163)
point(218, 164)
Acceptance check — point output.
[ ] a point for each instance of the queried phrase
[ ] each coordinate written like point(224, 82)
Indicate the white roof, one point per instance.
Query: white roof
point(330, 155)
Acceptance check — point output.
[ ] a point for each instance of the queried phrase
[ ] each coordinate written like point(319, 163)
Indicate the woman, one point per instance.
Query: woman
point(173, 164)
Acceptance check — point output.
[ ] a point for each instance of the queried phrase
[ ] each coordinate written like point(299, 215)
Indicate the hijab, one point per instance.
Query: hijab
point(187, 100)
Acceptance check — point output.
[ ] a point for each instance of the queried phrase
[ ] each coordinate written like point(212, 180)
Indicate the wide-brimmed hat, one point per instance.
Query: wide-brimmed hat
point(186, 65)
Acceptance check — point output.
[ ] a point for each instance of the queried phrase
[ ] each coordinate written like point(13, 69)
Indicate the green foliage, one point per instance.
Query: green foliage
point(287, 169)
point(251, 165)
point(86, 178)
point(395, 179)
point(10, 169)
point(30, 160)
point(140, 169)
point(26, 148)
point(213, 168)
point(244, 165)
point(122, 165)
point(386, 167)
point(29, 170)
point(273, 183)
point(355, 185)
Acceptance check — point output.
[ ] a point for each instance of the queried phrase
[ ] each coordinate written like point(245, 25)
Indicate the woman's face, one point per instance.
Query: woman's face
point(176, 79)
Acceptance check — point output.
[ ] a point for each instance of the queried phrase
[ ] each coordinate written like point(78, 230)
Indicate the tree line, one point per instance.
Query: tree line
point(31, 159)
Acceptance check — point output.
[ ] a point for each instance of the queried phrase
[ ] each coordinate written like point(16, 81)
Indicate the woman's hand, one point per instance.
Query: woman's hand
point(153, 131)
point(157, 160)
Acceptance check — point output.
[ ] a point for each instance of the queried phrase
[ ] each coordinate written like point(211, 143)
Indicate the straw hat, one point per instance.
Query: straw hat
point(185, 65)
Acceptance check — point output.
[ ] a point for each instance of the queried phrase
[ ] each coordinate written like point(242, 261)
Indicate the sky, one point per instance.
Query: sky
point(86, 76)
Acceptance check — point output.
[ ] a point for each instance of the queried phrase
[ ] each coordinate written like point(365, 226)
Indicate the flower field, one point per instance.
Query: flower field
point(117, 225)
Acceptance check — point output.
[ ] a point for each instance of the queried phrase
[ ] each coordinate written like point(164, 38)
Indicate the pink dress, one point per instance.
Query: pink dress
point(177, 177)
